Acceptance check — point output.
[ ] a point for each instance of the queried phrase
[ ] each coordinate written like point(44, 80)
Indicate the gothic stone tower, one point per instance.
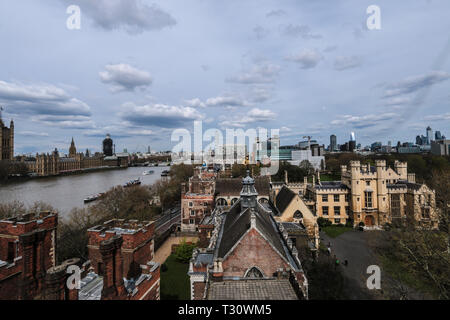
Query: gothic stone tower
point(6, 141)
point(72, 149)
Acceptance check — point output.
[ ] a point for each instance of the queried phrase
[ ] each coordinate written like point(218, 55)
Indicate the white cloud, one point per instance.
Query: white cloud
point(134, 16)
point(159, 115)
point(253, 116)
point(365, 121)
point(262, 72)
point(124, 77)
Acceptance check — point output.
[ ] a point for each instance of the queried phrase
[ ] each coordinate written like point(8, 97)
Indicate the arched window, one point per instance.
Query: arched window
point(253, 272)
point(221, 202)
point(234, 200)
point(263, 200)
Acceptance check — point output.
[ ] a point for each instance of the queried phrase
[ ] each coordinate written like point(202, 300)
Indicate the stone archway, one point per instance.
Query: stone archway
point(369, 221)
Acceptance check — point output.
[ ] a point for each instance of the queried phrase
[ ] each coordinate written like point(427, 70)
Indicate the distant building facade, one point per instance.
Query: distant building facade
point(53, 164)
point(374, 196)
point(197, 199)
point(440, 147)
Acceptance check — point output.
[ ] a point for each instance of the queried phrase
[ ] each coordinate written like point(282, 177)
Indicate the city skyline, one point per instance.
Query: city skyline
point(305, 68)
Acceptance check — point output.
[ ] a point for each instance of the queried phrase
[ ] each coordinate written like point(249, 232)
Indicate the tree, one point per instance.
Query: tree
point(183, 253)
point(307, 167)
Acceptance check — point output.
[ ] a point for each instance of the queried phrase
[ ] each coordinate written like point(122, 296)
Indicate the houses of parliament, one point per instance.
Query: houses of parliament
point(48, 164)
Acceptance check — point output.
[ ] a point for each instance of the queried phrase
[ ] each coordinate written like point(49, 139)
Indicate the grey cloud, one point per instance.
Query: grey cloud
point(308, 58)
point(302, 31)
point(134, 16)
point(413, 84)
point(45, 103)
point(65, 121)
point(124, 77)
point(275, 13)
point(260, 32)
point(343, 63)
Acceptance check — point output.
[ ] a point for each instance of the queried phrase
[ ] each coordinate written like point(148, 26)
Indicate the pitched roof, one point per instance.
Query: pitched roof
point(237, 223)
point(284, 198)
point(233, 186)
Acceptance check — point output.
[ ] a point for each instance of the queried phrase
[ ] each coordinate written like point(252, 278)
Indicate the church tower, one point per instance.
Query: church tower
point(72, 149)
point(249, 194)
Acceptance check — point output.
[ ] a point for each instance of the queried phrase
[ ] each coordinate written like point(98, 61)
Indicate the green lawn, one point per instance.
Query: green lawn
point(175, 284)
point(335, 231)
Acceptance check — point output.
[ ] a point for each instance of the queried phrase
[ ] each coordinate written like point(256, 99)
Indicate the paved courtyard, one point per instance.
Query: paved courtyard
point(353, 246)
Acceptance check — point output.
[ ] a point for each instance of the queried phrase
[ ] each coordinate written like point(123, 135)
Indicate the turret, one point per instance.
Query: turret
point(402, 169)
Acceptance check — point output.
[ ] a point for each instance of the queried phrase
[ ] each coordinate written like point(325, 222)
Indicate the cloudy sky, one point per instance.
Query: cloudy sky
point(140, 69)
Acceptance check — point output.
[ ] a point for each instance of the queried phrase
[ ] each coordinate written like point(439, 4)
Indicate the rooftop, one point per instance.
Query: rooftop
point(267, 289)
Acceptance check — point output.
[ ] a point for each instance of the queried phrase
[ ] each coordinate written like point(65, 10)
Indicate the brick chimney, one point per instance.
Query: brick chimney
point(113, 287)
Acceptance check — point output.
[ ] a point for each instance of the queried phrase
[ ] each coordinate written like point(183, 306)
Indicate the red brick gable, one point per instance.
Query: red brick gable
point(253, 250)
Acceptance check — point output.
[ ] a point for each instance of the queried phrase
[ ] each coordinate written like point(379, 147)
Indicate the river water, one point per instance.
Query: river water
point(67, 192)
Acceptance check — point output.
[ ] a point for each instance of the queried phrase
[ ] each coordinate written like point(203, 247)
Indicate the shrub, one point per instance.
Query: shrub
point(323, 222)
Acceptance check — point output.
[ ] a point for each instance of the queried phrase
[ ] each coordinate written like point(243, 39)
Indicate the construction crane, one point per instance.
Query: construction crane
point(309, 141)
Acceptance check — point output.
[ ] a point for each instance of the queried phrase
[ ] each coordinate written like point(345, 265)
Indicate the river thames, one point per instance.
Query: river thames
point(67, 192)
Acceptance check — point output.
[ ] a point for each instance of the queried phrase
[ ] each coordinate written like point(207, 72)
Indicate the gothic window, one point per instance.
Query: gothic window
point(368, 199)
point(395, 205)
point(254, 272)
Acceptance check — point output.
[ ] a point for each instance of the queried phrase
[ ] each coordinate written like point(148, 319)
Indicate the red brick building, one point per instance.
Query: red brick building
point(197, 199)
point(249, 255)
point(122, 267)
point(27, 251)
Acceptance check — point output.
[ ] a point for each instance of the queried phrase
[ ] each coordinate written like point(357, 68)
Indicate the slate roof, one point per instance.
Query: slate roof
point(284, 198)
point(404, 184)
point(330, 185)
point(273, 289)
point(233, 186)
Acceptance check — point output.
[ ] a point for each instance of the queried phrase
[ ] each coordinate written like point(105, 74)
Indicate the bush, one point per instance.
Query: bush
point(349, 224)
point(323, 222)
